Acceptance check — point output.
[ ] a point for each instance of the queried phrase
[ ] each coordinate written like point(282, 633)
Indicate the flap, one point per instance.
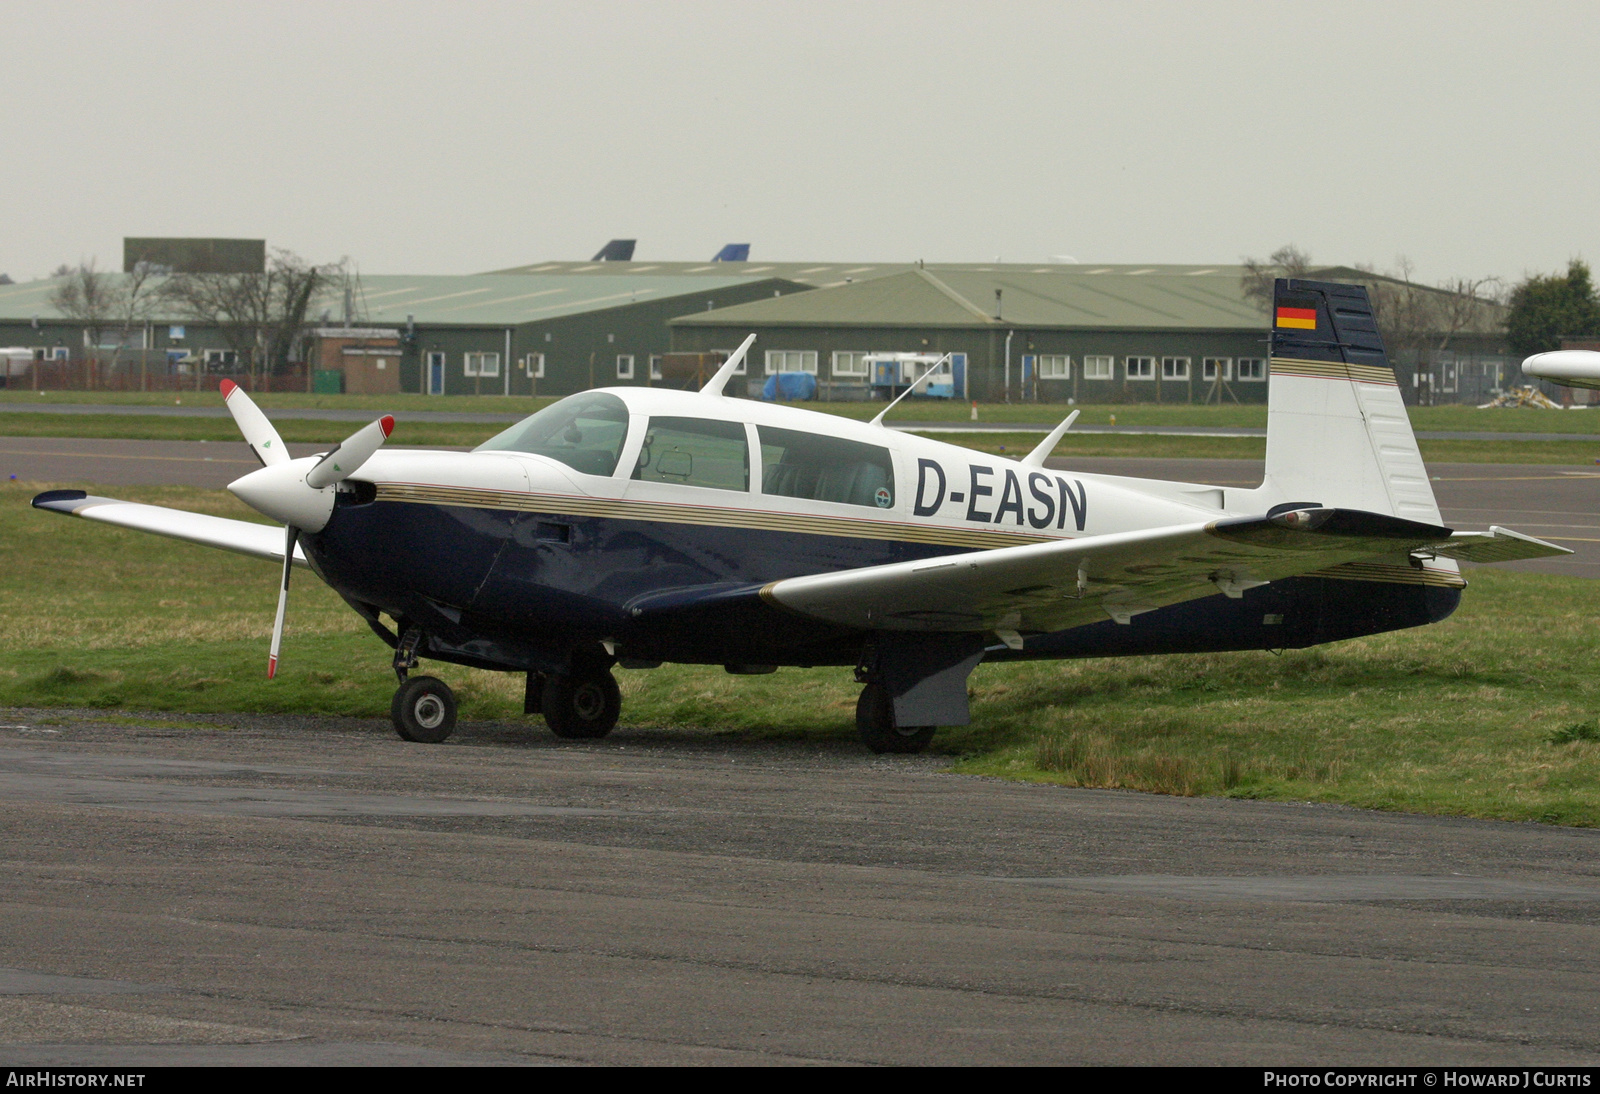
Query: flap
point(1496, 545)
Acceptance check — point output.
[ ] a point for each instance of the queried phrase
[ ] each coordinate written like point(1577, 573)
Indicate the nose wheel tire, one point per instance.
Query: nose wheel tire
point(424, 710)
point(876, 726)
point(584, 705)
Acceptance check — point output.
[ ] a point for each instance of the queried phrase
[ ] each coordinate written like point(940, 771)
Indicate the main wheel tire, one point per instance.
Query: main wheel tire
point(424, 710)
point(582, 706)
point(876, 726)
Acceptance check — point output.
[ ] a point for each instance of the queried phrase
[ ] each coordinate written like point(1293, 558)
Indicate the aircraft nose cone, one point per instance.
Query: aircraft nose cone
point(280, 492)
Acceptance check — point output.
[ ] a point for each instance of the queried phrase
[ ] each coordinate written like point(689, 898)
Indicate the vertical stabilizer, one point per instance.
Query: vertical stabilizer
point(1337, 430)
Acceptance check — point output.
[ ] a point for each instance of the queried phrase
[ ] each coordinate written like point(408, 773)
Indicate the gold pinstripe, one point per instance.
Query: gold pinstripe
point(718, 516)
point(1333, 370)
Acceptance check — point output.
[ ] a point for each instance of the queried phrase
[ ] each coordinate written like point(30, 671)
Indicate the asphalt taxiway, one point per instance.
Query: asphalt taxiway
point(228, 889)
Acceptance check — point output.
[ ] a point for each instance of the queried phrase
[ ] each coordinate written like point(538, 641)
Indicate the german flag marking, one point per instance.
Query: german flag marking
point(1298, 318)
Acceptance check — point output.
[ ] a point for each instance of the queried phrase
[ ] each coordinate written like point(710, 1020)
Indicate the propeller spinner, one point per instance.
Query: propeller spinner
point(297, 492)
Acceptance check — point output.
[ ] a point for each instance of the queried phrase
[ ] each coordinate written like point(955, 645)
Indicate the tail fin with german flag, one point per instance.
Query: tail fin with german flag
point(1337, 431)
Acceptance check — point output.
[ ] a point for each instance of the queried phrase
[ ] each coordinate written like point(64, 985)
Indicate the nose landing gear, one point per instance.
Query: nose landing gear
point(424, 710)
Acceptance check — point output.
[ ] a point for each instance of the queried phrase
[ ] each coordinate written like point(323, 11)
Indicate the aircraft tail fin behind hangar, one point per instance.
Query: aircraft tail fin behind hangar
point(733, 252)
point(618, 250)
point(1337, 430)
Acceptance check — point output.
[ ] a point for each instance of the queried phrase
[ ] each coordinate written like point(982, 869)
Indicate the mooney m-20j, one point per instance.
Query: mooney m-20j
point(639, 526)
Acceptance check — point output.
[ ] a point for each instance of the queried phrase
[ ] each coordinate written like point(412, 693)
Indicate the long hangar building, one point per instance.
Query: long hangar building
point(1098, 333)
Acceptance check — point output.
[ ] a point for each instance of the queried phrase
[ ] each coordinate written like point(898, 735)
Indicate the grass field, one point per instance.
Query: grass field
point(1491, 713)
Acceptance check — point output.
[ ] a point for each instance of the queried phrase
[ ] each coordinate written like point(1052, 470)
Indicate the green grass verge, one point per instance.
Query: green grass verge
point(123, 427)
point(479, 404)
point(465, 434)
point(1489, 714)
point(1440, 418)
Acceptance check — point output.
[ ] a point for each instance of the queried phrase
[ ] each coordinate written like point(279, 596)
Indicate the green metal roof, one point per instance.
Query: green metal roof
point(1062, 296)
point(832, 274)
point(475, 300)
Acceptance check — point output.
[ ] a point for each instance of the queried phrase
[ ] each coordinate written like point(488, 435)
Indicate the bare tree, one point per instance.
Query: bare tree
point(1256, 281)
point(88, 296)
point(1414, 318)
point(261, 316)
point(106, 302)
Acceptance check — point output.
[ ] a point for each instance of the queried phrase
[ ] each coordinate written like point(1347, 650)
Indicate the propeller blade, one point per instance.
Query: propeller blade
point(258, 432)
point(347, 457)
point(291, 535)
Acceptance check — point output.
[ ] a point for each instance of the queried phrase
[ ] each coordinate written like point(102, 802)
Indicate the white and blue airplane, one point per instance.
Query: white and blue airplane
point(638, 526)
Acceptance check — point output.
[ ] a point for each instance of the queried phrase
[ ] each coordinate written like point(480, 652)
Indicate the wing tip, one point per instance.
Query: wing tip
point(386, 423)
point(227, 387)
point(60, 500)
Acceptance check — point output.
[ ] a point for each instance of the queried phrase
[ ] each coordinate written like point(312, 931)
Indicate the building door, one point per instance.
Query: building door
point(435, 372)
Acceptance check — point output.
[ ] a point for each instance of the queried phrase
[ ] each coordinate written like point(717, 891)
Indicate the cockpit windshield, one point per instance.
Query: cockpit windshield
point(583, 431)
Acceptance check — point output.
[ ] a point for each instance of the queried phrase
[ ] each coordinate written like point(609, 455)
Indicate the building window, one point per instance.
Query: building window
point(852, 363)
point(1251, 368)
point(1174, 368)
point(50, 353)
point(624, 366)
point(533, 365)
point(739, 369)
point(791, 360)
point(221, 360)
point(481, 364)
point(1211, 368)
point(655, 366)
point(1141, 368)
point(1097, 368)
point(1055, 366)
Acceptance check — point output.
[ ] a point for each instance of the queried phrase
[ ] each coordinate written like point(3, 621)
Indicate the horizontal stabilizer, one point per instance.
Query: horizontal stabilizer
point(243, 537)
point(1496, 545)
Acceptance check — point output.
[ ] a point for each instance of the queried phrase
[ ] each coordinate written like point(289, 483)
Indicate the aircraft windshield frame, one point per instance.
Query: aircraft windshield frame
point(585, 431)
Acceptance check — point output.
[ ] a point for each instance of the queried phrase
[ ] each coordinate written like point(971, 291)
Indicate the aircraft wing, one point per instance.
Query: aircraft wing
point(1068, 583)
point(244, 537)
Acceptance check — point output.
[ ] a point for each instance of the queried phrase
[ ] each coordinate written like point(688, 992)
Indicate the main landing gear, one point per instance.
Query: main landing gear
point(876, 726)
point(582, 705)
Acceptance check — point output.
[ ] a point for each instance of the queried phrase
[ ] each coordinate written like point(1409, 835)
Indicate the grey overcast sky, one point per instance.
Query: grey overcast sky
point(460, 137)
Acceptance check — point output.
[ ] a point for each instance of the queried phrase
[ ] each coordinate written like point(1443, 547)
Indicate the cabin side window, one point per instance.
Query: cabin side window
point(695, 452)
point(806, 465)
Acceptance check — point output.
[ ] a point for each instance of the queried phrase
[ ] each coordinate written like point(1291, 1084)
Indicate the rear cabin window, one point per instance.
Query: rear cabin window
point(583, 431)
point(695, 452)
point(805, 465)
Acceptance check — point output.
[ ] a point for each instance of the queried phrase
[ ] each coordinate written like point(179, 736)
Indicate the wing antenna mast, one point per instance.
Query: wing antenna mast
point(918, 382)
point(719, 381)
point(1037, 457)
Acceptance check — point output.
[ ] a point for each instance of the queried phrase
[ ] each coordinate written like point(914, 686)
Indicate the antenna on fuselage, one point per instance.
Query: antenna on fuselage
point(717, 382)
point(932, 370)
point(1037, 457)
